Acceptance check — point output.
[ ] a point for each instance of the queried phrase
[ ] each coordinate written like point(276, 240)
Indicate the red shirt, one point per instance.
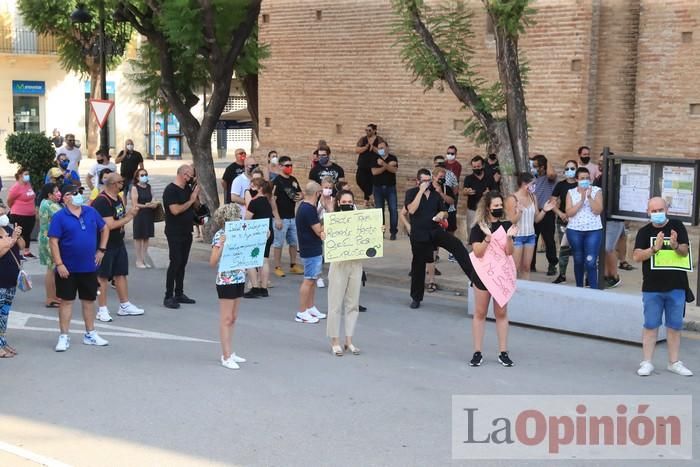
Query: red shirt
point(21, 196)
point(455, 167)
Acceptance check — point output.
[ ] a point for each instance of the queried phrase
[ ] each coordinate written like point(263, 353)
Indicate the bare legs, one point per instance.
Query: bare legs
point(481, 302)
point(122, 289)
point(307, 291)
point(673, 340)
point(65, 312)
point(523, 257)
point(228, 314)
point(50, 286)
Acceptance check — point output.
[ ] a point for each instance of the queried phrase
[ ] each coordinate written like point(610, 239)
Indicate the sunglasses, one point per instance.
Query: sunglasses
point(254, 166)
point(571, 168)
point(452, 153)
point(82, 224)
point(288, 165)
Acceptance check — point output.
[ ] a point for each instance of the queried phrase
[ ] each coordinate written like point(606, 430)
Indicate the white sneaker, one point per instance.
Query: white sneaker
point(129, 310)
point(237, 359)
point(63, 343)
point(305, 317)
point(645, 368)
point(313, 311)
point(92, 338)
point(103, 315)
point(679, 369)
point(229, 363)
point(320, 284)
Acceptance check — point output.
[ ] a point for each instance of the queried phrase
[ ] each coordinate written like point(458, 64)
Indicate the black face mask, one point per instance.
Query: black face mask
point(585, 160)
point(346, 207)
point(497, 213)
point(253, 193)
point(478, 171)
point(441, 181)
point(100, 161)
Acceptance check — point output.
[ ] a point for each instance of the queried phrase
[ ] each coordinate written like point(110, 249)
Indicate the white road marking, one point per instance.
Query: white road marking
point(31, 456)
point(18, 321)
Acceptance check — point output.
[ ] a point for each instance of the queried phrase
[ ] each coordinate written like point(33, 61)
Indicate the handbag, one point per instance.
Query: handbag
point(158, 213)
point(201, 214)
point(24, 282)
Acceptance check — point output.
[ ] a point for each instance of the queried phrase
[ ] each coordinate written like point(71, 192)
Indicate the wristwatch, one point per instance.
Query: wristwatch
point(103, 250)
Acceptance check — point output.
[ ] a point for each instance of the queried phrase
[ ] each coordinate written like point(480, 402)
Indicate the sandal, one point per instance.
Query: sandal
point(625, 266)
point(4, 353)
point(431, 287)
point(337, 350)
point(12, 350)
point(53, 304)
point(353, 349)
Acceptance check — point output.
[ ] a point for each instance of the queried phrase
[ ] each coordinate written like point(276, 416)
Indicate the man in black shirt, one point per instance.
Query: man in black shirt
point(115, 263)
point(286, 192)
point(130, 161)
point(326, 168)
point(427, 207)
point(179, 198)
point(559, 199)
point(663, 288)
point(475, 185)
point(493, 170)
point(384, 171)
point(232, 171)
point(368, 151)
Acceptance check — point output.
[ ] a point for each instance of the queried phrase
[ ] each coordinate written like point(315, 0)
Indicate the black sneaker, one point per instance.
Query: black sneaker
point(362, 308)
point(437, 272)
point(559, 279)
point(415, 304)
point(392, 236)
point(552, 270)
point(612, 282)
point(505, 359)
point(262, 292)
point(171, 302)
point(184, 299)
point(476, 359)
point(252, 293)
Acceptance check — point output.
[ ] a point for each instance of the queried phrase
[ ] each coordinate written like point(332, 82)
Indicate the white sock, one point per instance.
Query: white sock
point(104, 308)
point(125, 304)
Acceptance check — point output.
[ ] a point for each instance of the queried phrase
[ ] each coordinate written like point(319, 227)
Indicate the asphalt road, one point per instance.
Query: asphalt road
point(158, 396)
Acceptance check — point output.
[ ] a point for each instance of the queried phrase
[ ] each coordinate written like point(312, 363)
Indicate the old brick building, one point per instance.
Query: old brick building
point(621, 73)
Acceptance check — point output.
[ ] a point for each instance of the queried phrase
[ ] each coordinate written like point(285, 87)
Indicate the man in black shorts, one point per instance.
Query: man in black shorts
point(73, 239)
point(115, 263)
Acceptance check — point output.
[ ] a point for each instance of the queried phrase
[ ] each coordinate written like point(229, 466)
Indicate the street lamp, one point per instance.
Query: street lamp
point(100, 50)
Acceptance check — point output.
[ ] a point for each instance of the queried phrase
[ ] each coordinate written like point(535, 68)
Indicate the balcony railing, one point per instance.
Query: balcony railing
point(26, 42)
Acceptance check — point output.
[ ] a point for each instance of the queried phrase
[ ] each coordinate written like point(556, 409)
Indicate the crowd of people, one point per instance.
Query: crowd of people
point(82, 235)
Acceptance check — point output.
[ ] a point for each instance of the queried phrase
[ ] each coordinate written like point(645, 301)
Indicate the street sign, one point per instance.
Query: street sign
point(101, 109)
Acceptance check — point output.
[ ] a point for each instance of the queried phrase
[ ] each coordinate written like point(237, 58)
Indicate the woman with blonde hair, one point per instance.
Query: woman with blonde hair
point(229, 286)
point(489, 218)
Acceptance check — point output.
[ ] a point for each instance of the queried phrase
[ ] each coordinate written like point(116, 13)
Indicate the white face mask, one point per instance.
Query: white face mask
point(327, 192)
point(129, 147)
point(4, 220)
point(450, 157)
point(273, 161)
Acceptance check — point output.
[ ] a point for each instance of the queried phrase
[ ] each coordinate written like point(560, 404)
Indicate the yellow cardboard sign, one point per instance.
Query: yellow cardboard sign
point(667, 258)
point(353, 235)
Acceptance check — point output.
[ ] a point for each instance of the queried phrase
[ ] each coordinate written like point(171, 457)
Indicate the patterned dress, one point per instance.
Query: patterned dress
point(236, 276)
point(46, 211)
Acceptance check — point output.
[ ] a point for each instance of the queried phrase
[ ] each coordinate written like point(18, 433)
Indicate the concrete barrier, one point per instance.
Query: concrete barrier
point(585, 311)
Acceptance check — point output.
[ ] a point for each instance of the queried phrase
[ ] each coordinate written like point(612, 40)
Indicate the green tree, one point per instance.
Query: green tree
point(193, 45)
point(77, 44)
point(32, 151)
point(435, 47)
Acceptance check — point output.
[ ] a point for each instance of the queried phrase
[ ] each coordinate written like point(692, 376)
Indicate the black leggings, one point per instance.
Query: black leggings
point(27, 224)
point(363, 177)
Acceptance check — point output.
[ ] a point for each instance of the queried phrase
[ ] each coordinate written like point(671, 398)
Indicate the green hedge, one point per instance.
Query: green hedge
point(33, 151)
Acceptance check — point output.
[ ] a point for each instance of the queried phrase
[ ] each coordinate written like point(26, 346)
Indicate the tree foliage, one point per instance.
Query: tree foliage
point(34, 152)
point(53, 17)
point(192, 45)
point(435, 45)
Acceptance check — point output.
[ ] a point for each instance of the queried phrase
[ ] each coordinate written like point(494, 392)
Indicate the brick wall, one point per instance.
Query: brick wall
point(667, 79)
point(603, 72)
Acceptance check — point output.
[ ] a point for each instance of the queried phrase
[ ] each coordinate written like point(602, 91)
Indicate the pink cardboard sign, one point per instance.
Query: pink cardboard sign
point(496, 269)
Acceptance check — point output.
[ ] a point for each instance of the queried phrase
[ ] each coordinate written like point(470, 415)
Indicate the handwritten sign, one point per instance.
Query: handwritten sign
point(353, 235)
point(245, 244)
point(496, 269)
point(668, 259)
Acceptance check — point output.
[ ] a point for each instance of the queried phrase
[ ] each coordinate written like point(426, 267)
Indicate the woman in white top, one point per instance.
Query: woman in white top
point(522, 211)
point(585, 229)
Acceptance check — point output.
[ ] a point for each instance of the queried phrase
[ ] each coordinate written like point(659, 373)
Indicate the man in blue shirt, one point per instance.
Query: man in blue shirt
point(73, 239)
point(311, 236)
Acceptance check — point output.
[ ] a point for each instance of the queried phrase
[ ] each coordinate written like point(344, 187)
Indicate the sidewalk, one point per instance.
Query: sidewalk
point(394, 267)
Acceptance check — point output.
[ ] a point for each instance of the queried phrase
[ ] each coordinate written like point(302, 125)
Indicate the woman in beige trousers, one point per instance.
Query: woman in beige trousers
point(344, 282)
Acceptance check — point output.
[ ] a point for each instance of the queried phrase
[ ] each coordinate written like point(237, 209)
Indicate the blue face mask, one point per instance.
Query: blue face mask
point(143, 179)
point(77, 200)
point(570, 173)
point(64, 164)
point(585, 184)
point(658, 218)
point(323, 160)
point(381, 152)
point(25, 178)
